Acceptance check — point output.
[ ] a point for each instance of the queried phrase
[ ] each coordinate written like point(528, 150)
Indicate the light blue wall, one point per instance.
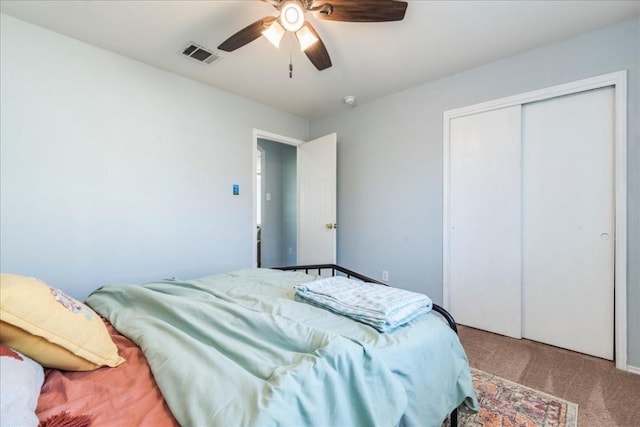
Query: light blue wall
point(115, 171)
point(279, 215)
point(390, 159)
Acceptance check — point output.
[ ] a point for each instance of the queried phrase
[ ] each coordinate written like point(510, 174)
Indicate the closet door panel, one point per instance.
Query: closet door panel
point(484, 261)
point(568, 222)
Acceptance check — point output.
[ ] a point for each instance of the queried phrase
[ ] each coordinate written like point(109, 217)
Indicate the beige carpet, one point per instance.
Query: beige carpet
point(606, 396)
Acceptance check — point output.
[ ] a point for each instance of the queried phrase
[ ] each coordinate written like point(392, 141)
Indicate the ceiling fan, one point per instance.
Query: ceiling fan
point(291, 18)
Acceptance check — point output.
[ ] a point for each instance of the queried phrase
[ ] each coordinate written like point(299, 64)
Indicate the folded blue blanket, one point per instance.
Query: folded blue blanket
point(382, 307)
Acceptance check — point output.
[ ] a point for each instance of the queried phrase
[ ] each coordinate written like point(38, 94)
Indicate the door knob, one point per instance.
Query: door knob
point(331, 226)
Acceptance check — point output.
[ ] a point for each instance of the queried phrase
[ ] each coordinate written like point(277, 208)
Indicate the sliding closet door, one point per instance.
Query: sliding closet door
point(484, 211)
point(568, 221)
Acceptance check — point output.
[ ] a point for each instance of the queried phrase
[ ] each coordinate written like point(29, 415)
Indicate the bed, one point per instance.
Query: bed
point(239, 349)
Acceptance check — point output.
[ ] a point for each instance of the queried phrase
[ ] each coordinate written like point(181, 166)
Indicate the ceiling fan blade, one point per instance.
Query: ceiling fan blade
point(246, 35)
point(274, 3)
point(360, 10)
point(317, 52)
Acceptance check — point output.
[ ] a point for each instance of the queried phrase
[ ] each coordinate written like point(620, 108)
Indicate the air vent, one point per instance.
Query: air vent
point(199, 54)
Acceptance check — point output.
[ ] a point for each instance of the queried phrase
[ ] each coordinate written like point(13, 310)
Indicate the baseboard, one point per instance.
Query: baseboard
point(633, 369)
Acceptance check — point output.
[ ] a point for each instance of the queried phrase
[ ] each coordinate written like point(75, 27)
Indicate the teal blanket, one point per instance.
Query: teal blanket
point(236, 349)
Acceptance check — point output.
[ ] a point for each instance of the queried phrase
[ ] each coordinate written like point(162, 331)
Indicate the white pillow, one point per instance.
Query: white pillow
point(20, 382)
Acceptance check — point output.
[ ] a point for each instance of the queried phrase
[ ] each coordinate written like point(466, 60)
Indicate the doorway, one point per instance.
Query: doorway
point(315, 193)
point(276, 175)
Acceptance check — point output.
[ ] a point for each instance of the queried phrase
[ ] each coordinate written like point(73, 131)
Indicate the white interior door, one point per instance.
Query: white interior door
point(568, 223)
point(484, 220)
point(317, 187)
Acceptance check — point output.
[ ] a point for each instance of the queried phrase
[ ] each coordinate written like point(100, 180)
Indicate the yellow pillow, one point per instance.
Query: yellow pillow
point(53, 328)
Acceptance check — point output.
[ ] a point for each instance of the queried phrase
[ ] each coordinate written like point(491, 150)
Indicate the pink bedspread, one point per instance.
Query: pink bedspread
point(122, 396)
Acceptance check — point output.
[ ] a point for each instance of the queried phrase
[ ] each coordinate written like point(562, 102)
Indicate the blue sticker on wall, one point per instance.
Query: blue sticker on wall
point(236, 189)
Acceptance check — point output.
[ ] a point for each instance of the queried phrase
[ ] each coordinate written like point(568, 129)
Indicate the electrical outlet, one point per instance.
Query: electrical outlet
point(385, 276)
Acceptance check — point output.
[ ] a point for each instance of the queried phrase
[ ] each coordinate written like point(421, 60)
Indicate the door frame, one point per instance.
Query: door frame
point(619, 82)
point(262, 134)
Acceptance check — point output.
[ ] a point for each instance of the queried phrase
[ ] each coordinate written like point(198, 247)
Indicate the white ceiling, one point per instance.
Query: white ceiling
point(370, 60)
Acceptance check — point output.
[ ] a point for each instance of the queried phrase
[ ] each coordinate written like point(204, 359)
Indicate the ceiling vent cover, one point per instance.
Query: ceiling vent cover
point(199, 54)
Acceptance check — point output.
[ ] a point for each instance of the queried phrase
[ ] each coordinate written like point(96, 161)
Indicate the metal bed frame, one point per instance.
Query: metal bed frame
point(337, 270)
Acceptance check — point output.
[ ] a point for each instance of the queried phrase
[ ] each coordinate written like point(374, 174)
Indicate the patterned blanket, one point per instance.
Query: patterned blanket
point(382, 307)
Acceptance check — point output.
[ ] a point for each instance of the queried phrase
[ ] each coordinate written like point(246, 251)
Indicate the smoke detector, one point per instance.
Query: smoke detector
point(199, 54)
point(350, 100)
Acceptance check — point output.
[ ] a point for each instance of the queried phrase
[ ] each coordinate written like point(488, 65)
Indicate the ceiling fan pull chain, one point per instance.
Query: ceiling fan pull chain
point(290, 65)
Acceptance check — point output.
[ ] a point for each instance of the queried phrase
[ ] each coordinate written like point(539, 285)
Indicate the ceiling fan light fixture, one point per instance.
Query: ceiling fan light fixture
point(274, 33)
point(292, 16)
point(306, 38)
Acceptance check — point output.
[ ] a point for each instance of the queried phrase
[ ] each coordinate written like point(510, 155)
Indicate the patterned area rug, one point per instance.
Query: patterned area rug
point(504, 403)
